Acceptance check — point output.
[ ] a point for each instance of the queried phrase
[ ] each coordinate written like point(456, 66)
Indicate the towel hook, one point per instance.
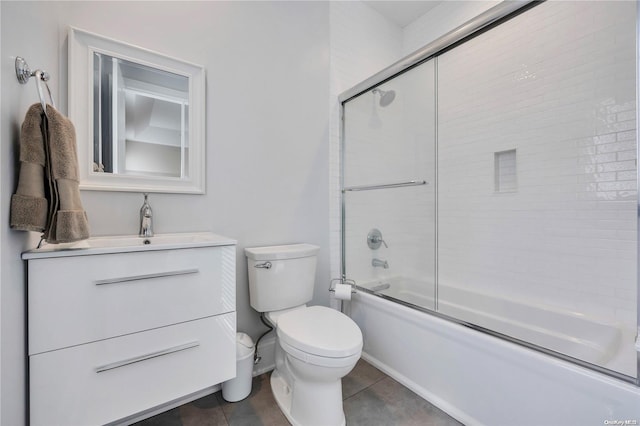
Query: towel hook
point(24, 73)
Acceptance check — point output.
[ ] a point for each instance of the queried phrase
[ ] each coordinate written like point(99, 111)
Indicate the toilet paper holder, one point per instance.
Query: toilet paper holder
point(335, 281)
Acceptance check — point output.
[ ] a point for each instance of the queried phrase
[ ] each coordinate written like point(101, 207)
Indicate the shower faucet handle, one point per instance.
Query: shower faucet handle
point(374, 239)
point(382, 241)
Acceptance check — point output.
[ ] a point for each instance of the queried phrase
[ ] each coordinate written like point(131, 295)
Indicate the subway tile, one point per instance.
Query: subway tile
point(617, 147)
point(617, 186)
point(627, 195)
point(627, 175)
point(627, 155)
point(576, 180)
point(617, 166)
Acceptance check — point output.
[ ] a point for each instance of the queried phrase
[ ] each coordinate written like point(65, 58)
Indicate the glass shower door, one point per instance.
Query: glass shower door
point(496, 184)
point(389, 189)
point(537, 178)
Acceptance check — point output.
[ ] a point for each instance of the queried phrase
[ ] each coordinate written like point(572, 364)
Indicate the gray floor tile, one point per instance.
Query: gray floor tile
point(371, 399)
point(389, 403)
point(258, 409)
point(205, 411)
point(168, 418)
point(361, 377)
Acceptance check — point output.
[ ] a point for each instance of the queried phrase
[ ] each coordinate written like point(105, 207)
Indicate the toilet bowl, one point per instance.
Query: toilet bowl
point(316, 346)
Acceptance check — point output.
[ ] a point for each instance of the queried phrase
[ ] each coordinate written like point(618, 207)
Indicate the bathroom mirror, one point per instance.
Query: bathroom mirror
point(139, 117)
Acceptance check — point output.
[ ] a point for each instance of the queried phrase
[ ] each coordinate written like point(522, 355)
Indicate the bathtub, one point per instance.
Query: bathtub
point(572, 334)
point(481, 379)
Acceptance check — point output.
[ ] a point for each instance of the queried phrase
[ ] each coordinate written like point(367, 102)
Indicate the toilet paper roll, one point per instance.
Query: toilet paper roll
point(343, 291)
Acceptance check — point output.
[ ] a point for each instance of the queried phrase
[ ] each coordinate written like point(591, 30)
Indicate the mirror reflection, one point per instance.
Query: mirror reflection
point(141, 119)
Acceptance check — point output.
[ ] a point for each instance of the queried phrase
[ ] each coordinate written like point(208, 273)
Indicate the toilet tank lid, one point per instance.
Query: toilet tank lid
point(290, 251)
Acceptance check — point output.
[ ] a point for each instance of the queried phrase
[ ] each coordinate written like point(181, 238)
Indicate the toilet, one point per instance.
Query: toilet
point(316, 346)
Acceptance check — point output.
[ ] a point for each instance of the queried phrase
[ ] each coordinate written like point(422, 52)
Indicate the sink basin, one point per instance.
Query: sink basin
point(129, 243)
point(132, 240)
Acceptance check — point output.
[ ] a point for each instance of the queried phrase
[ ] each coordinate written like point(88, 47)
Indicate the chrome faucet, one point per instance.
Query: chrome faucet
point(146, 219)
point(374, 239)
point(377, 263)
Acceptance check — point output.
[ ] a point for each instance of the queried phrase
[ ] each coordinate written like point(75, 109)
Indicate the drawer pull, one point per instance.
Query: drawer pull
point(140, 358)
point(146, 276)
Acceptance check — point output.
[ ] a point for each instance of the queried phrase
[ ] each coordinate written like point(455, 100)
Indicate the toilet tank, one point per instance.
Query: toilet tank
point(281, 277)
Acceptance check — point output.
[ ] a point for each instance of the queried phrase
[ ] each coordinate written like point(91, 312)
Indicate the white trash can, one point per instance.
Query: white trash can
point(240, 387)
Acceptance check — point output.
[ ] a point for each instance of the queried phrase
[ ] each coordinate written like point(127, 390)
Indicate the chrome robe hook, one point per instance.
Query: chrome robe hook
point(24, 73)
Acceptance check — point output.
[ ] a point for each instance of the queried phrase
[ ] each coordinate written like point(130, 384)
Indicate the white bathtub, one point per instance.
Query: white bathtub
point(484, 380)
point(588, 339)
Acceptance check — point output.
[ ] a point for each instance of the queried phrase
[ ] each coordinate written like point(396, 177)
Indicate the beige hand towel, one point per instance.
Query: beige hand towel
point(66, 220)
point(69, 220)
point(28, 204)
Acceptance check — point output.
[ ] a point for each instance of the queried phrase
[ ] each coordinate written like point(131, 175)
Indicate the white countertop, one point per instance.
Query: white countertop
point(129, 243)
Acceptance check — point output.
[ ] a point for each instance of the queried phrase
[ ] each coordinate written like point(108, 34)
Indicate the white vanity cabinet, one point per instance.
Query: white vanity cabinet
point(115, 332)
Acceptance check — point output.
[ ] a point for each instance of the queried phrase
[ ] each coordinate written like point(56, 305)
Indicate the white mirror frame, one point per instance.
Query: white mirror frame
point(82, 45)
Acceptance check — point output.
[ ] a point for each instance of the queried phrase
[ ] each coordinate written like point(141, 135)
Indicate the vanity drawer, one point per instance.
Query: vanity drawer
point(105, 381)
point(81, 299)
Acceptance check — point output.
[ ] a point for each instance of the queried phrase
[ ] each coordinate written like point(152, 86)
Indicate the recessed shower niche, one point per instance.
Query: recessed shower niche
point(506, 177)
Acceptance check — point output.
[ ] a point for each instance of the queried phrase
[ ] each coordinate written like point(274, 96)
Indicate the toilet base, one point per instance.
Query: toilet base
point(283, 396)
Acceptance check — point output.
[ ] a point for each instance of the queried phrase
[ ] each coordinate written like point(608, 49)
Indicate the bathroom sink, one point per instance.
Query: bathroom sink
point(161, 239)
point(129, 243)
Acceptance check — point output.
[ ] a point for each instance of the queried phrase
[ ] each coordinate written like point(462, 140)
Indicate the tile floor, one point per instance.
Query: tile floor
point(371, 398)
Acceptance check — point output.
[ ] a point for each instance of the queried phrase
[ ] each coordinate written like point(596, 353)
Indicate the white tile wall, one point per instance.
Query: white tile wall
point(557, 83)
point(386, 145)
point(362, 43)
point(405, 216)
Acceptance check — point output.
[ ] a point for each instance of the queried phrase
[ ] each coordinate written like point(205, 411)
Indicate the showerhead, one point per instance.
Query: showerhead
point(386, 96)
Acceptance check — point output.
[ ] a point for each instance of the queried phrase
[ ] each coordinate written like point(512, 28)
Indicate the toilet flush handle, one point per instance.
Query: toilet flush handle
point(265, 265)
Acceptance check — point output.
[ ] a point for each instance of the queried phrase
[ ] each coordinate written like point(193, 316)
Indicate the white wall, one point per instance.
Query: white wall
point(267, 120)
point(443, 18)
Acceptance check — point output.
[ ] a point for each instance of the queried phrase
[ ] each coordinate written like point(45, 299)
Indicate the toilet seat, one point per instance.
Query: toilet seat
point(319, 335)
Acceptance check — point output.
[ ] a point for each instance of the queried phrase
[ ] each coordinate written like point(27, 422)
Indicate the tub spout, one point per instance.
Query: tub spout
point(378, 263)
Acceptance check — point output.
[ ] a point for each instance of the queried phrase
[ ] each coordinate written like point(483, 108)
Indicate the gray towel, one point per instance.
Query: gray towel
point(48, 196)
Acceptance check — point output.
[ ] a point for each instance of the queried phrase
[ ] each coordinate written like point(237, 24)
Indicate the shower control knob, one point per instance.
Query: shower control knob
point(375, 240)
